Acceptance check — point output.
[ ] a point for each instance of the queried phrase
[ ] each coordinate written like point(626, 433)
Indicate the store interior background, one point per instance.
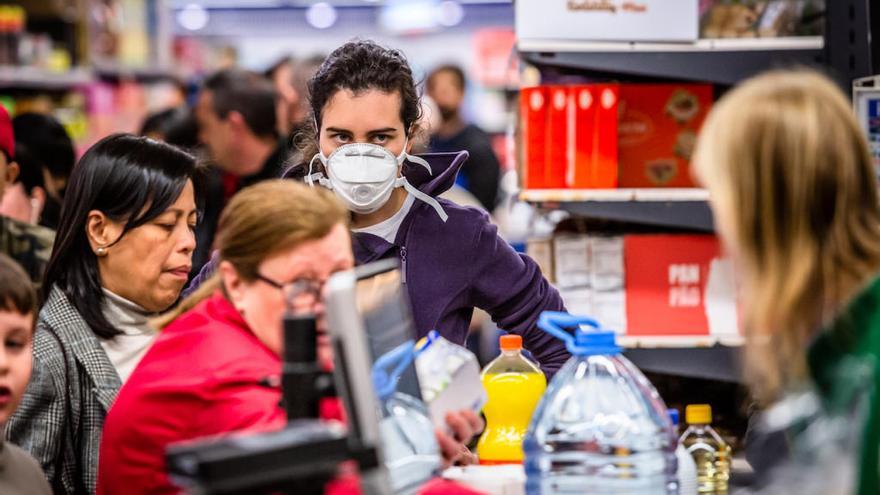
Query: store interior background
point(102, 66)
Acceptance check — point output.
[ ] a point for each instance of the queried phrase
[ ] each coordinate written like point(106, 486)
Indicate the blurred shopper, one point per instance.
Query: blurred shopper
point(184, 133)
point(290, 78)
point(273, 237)
point(122, 253)
point(794, 196)
point(42, 141)
point(480, 174)
point(28, 244)
point(159, 124)
point(19, 472)
point(366, 107)
point(304, 71)
point(281, 75)
point(25, 199)
point(236, 116)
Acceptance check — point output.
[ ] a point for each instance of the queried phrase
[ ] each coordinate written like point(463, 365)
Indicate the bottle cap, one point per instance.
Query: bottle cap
point(673, 416)
point(699, 414)
point(510, 342)
point(590, 342)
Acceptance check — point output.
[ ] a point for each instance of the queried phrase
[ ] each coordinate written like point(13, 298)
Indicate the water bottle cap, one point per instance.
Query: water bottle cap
point(589, 342)
point(510, 342)
point(673, 416)
point(698, 414)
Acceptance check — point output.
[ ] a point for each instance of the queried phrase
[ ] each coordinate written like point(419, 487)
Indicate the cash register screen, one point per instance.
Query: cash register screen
point(385, 311)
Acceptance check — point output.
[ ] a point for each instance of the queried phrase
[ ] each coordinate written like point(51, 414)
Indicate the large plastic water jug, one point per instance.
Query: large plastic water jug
point(601, 427)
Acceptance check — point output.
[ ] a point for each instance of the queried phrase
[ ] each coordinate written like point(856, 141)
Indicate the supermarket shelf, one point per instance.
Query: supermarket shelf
point(723, 61)
point(718, 362)
point(142, 74)
point(680, 342)
point(34, 78)
point(703, 45)
point(630, 194)
point(680, 208)
point(42, 79)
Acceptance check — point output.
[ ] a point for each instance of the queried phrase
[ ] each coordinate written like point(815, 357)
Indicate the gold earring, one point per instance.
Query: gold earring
point(101, 252)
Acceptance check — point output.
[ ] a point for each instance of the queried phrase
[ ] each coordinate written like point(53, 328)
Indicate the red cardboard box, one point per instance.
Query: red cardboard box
point(678, 285)
point(557, 155)
point(657, 132)
point(593, 109)
point(533, 125)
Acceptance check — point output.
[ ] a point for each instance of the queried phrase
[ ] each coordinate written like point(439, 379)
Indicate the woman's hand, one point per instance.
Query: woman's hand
point(464, 425)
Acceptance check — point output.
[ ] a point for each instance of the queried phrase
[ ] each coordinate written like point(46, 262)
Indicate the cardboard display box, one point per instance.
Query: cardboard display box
point(607, 20)
point(654, 286)
point(601, 136)
point(657, 132)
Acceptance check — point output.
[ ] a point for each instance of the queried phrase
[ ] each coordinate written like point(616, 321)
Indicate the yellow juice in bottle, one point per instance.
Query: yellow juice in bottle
point(514, 386)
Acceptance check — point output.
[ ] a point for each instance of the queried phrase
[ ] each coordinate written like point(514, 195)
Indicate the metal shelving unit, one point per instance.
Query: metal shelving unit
point(714, 363)
point(723, 61)
point(141, 74)
point(46, 80)
point(844, 52)
point(41, 79)
point(676, 208)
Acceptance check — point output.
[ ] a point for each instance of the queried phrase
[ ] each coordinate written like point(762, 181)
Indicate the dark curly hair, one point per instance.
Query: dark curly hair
point(357, 66)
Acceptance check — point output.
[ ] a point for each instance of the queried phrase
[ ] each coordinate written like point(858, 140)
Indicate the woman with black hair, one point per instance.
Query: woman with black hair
point(122, 253)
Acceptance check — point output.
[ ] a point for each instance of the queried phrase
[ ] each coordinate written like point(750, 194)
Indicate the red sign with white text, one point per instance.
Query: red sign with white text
point(666, 281)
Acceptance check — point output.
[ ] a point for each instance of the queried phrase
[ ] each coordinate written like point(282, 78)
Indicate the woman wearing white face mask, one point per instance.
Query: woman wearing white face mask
point(366, 108)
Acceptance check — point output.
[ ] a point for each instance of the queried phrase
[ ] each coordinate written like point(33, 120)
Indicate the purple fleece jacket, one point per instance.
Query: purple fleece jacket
point(450, 268)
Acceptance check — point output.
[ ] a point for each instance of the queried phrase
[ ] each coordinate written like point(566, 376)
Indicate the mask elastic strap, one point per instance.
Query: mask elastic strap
point(419, 161)
point(413, 159)
point(401, 181)
point(310, 178)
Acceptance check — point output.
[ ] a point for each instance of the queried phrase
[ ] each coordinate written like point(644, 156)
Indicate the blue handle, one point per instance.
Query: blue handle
point(582, 342)
point(400, 357)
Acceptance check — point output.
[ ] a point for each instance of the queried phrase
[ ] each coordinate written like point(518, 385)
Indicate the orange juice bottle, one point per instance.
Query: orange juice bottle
point(514, 386)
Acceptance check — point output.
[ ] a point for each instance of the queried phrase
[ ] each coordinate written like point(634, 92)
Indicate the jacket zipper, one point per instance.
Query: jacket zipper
point(403, 263)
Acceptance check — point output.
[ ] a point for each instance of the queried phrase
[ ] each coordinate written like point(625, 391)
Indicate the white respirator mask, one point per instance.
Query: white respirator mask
point(364, 175)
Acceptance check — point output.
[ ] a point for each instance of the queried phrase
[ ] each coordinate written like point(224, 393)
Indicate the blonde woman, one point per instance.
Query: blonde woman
point(793, 192)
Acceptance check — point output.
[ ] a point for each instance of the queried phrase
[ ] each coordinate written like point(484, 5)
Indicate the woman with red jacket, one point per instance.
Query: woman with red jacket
point(203, 375)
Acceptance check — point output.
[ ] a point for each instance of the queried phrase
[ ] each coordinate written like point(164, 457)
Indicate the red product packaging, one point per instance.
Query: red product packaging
point(658, 130)
point(678, 285)
point(556, 154)
point(533, 123)
point(592, 139)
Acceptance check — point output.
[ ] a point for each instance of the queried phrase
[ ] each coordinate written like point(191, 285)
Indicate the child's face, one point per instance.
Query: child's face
point(16, 337)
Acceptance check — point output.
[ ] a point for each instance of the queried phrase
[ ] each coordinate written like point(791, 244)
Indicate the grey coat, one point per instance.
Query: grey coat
point(72, 387)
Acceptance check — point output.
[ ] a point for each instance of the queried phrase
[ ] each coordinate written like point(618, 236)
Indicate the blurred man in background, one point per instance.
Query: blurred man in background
point(290, 78)
point(480, 173)
point(28, 244)
point(237, 120)
point(45, 155)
